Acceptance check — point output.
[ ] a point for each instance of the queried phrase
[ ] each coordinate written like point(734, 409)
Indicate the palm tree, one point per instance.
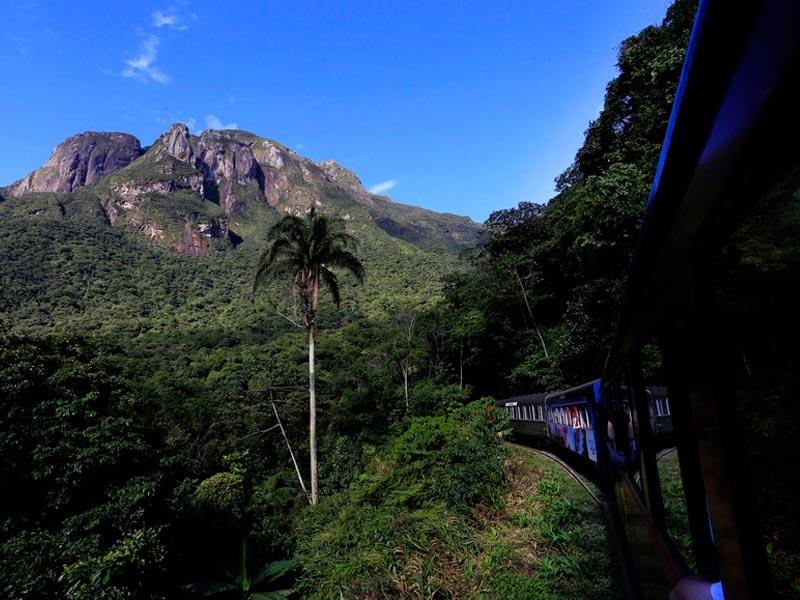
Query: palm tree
point(307, 248)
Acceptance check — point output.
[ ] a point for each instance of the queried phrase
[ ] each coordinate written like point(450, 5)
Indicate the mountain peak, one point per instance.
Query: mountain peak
point(177, 142)
point(80, 160)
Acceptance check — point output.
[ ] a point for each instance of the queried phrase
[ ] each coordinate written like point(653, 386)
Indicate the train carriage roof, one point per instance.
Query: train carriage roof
point(523, 400)
point(580, 393)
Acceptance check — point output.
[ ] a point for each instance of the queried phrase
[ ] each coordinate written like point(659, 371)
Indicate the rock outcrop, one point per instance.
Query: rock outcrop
point(133, 189)
point(231, 174)
point(346, 179)
point(197, 236)
point(80, 160)
point(229, 168)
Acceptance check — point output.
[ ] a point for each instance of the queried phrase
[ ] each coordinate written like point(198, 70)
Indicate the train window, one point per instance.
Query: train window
point(664, 451)
point(757, 285)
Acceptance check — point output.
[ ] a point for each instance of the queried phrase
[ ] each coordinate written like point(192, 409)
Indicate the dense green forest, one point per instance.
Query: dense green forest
point(138, 443)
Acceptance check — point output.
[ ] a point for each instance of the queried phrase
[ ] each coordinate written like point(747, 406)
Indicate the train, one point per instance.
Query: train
point(580, 420)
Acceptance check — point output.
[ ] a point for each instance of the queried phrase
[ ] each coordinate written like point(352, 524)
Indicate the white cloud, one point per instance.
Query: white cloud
point(143, 67)
point(173, 21)
point(213, 122)
point(383, 187)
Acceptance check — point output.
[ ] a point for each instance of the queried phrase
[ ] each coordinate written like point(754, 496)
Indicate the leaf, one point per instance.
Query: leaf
point(210, 587)
point(268, 596)
point(274, 570)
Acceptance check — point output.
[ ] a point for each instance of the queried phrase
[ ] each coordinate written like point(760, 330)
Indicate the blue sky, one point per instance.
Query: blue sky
point(464, 107)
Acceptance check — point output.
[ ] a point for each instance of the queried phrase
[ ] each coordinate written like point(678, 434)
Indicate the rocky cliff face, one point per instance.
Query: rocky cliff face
point(80, 160)
point(230, 172)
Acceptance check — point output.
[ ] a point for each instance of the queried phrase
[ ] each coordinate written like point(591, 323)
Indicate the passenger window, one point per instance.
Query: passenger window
point(758, 282)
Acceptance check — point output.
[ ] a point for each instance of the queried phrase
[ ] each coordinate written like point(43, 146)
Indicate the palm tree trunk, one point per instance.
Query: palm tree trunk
point(405, 384)
point(312, 418)
point(461, 364)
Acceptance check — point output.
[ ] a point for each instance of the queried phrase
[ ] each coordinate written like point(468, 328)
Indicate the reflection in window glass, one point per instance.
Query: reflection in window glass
point(675, 513)
point(758, 287)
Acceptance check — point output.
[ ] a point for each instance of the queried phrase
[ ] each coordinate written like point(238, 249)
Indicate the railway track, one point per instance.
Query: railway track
point(601, 503)
point(570, 471)
point(666, 452)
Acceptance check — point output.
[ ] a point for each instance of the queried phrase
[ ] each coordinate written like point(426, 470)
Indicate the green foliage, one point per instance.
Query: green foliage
point(677, 517)
point(413, 498)
point(544, 538)
point(434, 396)
point(305, 249)
point(122, 572)
point(559, 546)
point(241, 585)
point(86, 485)
point(221, 496)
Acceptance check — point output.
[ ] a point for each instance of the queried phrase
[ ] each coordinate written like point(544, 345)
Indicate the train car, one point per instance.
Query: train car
point(660, 411)
point(572, 421)
point(569, 418)
point(527, 414)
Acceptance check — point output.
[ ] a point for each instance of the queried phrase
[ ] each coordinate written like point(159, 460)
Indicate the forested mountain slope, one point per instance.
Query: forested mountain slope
point(98, 238)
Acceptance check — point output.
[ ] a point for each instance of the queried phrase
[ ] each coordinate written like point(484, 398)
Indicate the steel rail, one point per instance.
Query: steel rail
point(665, 452)
point(616, 542)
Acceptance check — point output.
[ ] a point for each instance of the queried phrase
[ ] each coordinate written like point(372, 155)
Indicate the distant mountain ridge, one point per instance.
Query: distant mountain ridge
point(191, 192)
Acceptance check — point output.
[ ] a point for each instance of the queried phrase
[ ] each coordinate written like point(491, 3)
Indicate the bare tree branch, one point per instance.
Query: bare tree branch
point(292, 321)
point(530, 313)
point(267, 430)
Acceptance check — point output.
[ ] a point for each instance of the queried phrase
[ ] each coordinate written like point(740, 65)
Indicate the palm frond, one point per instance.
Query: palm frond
point(286, 226)
point(278, 246)
point(344, 259)
point(275, 267)
point(332, 283)
point(306, 247)
point(343, 239)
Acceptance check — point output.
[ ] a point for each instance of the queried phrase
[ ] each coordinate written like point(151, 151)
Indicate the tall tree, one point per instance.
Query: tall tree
point(307, 249)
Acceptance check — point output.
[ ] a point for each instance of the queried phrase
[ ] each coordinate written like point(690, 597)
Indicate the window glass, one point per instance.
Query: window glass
point(757, 285)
